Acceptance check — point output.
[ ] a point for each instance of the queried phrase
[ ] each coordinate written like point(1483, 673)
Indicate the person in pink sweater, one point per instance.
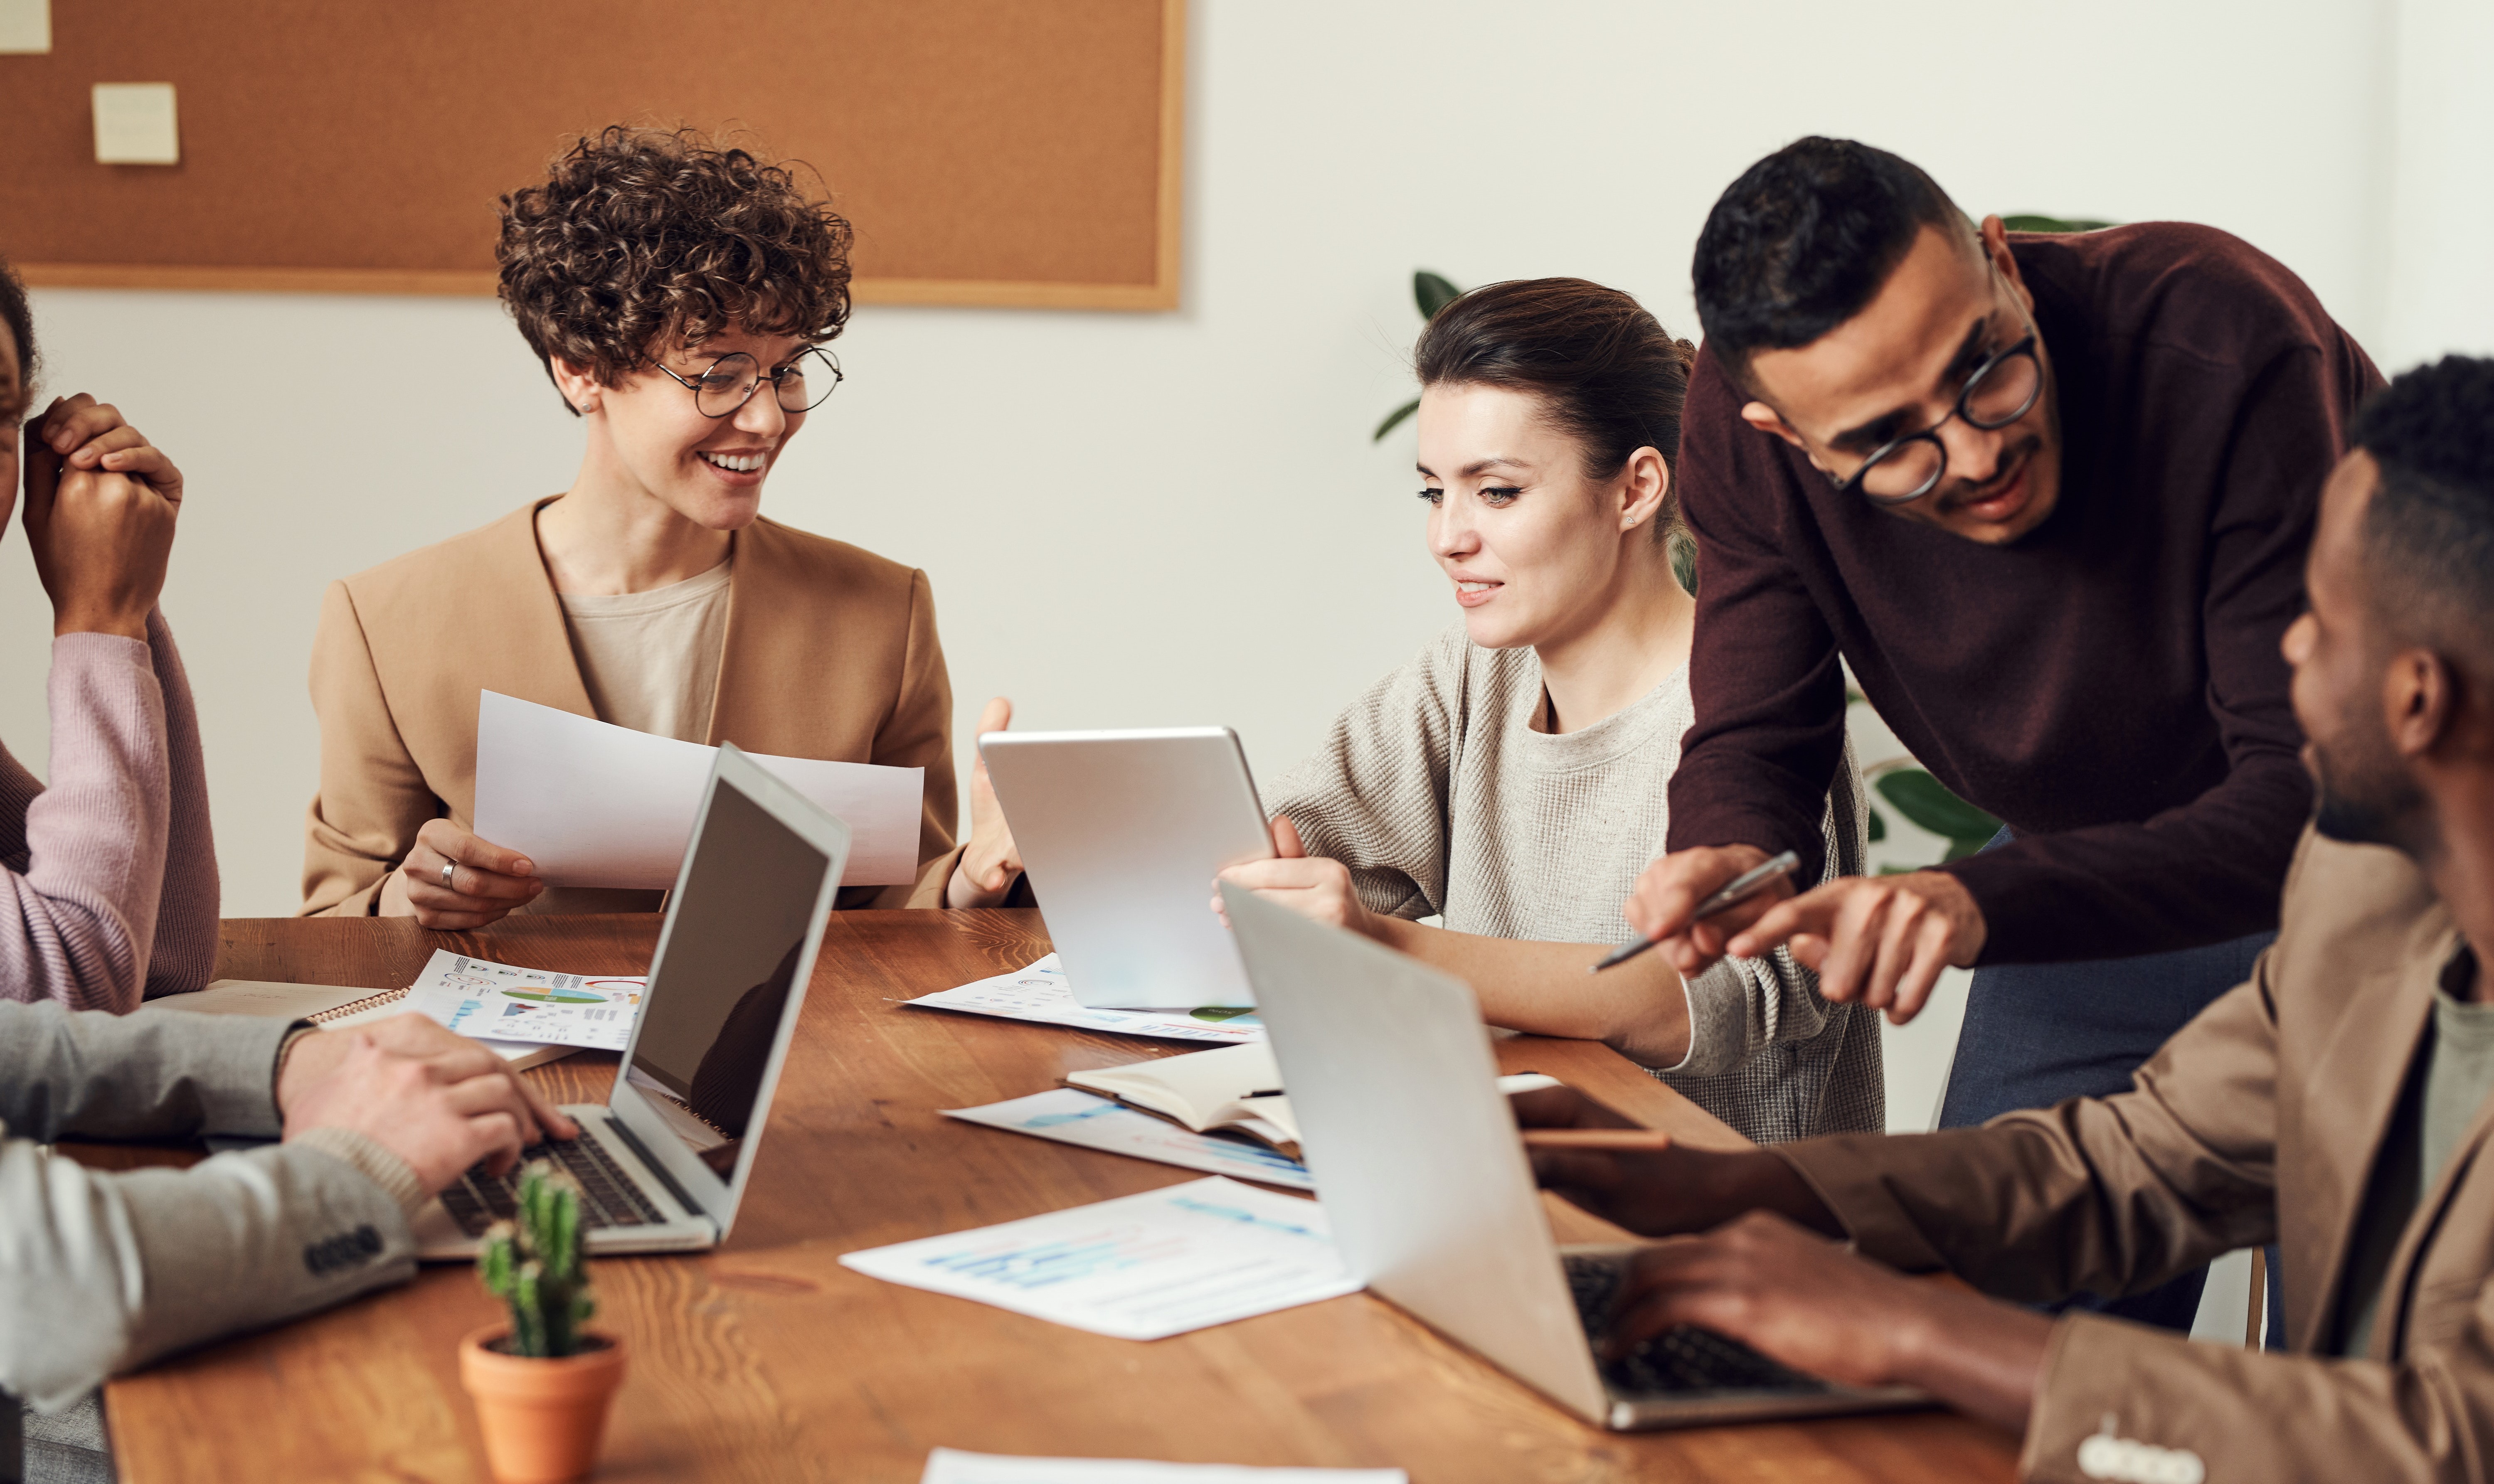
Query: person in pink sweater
point(108, 875)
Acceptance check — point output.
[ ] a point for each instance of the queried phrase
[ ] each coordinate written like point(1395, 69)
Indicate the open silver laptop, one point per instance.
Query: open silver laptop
point(663, 1161)
point(1432, 1202)
point(1122, 833)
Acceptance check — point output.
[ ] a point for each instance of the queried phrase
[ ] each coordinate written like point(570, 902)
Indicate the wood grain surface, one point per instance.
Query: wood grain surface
point(766, 1360)
point(987, 151)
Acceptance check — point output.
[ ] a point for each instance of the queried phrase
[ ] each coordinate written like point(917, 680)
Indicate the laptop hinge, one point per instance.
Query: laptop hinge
point(649, 1162)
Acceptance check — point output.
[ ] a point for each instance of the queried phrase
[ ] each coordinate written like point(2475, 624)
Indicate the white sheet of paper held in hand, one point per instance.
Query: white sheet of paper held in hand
point(950, 1465)
point(1040, 994)
point(1138, 1268)
point(505, 1002)
point(1070, 1115)
point(597, 805)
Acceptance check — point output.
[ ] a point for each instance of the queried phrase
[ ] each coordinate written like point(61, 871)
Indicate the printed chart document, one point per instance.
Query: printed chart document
point(1138, 1268)
point(597, 805)
point(1039, 992)
point(505, 1002)
point(950, 1465)
point(1072, 1116)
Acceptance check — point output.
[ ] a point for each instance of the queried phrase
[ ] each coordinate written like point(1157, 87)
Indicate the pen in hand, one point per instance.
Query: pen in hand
point(1740, 889)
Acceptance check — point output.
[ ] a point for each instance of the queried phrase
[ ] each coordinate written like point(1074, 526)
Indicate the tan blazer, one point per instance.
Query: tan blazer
point(831, 653)
point(2260, 1121)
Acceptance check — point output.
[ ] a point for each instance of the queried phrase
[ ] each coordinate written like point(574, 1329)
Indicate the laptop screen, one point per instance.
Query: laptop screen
point(716, 995)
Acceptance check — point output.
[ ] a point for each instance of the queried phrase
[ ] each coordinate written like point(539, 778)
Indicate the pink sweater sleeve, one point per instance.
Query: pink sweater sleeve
point(185, 954)
point(84, 875)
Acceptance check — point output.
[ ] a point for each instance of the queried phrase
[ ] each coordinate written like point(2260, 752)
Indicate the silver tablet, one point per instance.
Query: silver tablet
point(1122, 833)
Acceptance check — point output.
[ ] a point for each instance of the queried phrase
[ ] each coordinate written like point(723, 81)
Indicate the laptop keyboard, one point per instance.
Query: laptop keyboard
point(608, 1198)
point(1682, 1359)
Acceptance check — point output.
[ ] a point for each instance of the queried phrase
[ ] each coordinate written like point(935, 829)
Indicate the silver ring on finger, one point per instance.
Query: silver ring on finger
point(447, 867)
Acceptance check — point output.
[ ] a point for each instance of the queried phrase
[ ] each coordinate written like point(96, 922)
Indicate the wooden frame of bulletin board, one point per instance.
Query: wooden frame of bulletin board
point(988, 152)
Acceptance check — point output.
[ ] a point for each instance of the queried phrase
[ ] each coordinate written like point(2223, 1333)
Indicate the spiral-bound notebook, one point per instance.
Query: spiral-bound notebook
point(328, 1005)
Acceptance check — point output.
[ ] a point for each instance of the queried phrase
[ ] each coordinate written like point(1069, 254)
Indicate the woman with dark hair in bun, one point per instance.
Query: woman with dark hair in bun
point(1510, 779)
point(680, 297)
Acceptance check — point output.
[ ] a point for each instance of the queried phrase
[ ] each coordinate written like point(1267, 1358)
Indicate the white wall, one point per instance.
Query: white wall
point(1178, 518)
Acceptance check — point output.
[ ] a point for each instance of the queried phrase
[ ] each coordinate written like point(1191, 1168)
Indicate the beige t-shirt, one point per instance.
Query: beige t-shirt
point(650, 660)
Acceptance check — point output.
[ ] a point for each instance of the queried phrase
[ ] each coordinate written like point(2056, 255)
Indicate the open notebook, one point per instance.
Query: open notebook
point(1235, 1090)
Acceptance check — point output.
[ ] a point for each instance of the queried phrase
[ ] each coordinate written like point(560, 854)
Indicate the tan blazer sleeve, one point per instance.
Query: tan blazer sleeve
point(918, 734)
point(373, 797)
point(2254, 1414)
point(2108, 1196)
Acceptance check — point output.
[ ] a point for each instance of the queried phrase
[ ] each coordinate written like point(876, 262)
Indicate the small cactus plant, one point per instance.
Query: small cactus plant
point(533, 1264)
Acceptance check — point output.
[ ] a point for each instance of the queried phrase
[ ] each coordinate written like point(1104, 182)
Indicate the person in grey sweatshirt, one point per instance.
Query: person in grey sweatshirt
point(104, 1271)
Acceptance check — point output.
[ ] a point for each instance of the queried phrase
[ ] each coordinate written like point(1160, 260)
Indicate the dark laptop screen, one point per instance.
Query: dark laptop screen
point(718, 992)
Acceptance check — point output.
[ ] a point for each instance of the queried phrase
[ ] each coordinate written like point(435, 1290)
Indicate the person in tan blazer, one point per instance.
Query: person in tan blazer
point(2337, 1103)
point(679, 298)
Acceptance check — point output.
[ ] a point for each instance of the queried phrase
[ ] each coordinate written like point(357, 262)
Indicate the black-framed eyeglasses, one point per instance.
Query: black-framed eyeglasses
point(1997, 393)
point(732, 380)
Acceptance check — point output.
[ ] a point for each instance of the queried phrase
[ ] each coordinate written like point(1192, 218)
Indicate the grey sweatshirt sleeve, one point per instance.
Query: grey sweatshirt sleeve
point(1741, 1006)
point(101, 1272)
point(1376, 796)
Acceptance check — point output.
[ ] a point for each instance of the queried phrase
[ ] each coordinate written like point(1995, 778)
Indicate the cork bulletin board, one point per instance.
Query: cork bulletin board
point(996, 152)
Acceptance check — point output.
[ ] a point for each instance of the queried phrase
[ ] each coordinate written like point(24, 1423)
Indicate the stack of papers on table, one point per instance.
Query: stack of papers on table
point(950, 1465)
point(1040, 994)
point(527, 1017)
point(1141, 1268)
point(505, 1002)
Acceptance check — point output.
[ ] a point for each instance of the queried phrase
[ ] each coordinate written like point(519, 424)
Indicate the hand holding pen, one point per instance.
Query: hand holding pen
point(1753, 882)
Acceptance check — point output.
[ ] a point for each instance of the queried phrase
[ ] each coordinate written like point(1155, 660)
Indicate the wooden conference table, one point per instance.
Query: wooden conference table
point(766, 1360)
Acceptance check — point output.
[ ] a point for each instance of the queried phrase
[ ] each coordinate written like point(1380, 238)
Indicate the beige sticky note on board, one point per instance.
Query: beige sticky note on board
point(25, 26)
point(134, 124)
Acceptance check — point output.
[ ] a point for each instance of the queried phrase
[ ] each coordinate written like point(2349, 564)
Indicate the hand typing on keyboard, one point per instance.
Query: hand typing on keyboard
point(1802, 1300)
point(440, 1101)
point(607, 1198)
point(1759, 1272)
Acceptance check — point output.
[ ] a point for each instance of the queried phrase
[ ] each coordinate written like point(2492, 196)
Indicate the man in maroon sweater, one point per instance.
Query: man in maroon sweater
point(2049, 498)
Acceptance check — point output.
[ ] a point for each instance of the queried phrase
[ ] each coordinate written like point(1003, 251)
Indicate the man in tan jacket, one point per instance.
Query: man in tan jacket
point(2335, 1103)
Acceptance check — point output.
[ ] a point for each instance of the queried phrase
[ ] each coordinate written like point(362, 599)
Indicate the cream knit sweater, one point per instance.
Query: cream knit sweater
point(1442, 797)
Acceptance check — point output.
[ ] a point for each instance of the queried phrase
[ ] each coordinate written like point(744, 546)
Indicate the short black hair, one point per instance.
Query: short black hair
point(2428, 536)
point(19, 317)
point(1806, 236)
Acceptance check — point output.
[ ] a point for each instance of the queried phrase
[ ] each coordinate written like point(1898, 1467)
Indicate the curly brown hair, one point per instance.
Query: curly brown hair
point(19, 321)
point(643, 239)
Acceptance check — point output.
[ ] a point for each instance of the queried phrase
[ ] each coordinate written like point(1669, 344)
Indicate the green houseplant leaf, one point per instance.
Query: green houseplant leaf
point(1432, 292)
point(1928, 802)
point(2031, 222)
point(1394, 419)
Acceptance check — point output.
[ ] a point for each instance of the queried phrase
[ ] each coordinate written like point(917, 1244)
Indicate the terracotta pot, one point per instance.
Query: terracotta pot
point(542, 1418)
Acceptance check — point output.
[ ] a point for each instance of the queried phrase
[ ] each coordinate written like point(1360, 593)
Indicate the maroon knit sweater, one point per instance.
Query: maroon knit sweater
point(2109, 686)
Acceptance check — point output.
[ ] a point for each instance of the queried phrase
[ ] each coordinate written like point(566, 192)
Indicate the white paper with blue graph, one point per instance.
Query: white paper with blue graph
point(1070, 1115)
point(509, 1002)
point(1138, 1268)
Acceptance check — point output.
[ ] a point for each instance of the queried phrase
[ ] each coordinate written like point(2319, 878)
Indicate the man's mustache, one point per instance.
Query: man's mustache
point(1960, 492)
